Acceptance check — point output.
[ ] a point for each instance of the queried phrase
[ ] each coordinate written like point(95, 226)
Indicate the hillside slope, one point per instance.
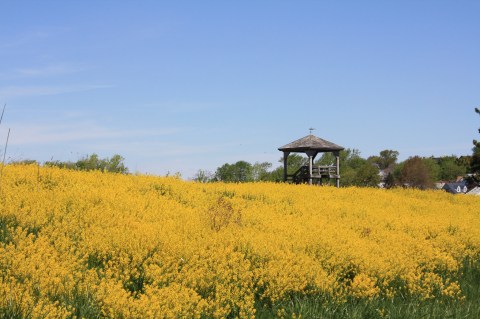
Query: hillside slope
point(92, 244)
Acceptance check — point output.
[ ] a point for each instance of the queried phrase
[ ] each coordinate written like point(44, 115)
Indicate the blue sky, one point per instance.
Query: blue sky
point(188, 85)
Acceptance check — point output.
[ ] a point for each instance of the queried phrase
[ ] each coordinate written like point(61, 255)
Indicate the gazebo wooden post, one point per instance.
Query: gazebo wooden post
point(311, 155)
point(337, 156)
point(285, 157)
point(310, 171)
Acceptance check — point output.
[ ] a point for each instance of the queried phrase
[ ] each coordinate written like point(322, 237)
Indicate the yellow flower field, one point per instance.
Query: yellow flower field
point(92, 244)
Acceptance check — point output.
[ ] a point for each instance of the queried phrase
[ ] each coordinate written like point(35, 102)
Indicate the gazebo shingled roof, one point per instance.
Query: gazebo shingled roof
point(311, 143)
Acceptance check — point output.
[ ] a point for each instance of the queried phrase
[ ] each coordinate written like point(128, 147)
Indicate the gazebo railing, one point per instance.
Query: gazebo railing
point(302, 175)
point(324, 170)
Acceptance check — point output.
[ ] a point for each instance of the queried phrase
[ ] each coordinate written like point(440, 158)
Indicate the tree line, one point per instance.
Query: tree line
point(381, 170)
point(114, 164)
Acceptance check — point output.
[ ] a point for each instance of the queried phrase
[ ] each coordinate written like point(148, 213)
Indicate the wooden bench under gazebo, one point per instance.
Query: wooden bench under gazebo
point(312, 145)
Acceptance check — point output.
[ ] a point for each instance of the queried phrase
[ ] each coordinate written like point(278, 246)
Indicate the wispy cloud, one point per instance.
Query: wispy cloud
point(87, 132)
point(32, 36)
point(182, 107)
point(22, 91)
point(49, 70)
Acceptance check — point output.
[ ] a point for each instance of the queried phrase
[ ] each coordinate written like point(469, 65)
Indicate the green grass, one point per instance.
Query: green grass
point(317, 308)
point(398, 308)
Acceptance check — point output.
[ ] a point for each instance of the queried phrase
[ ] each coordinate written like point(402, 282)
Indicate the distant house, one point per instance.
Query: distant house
point(456, 188)
point(383, 173)
point(474, 191)
point(439, 185)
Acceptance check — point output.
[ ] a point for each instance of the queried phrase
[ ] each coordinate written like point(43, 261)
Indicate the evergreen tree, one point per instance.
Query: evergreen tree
point(475, 164)
point(475, 142)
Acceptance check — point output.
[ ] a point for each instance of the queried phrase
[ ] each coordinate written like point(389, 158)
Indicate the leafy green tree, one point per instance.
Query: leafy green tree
point(260, 171)
point(348, 157)
point(387, 159)
point(224, 173)
point(94, 162)
point(354, 170)
point(241, 171)
point(367, 175)
point(450, 168)
point(465, 161)
point(397, 172)
point(89, 163)
point(24, 162)
point(433, 168)
point(57, 163)
point(275, 175)
point(115, 164)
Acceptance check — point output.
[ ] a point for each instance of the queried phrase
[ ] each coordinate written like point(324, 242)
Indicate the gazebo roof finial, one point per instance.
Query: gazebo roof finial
point(311, 129)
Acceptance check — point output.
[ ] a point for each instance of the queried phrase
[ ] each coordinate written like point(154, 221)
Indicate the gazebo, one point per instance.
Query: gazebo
point(312, 145)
